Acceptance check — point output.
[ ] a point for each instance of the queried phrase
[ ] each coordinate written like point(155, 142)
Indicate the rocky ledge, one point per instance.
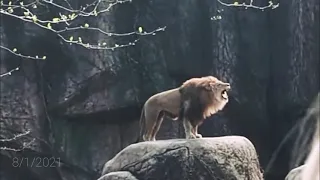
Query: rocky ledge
point(227, 157)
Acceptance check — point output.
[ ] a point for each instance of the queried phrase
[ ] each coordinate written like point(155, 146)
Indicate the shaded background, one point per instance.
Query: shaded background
point(83, 106)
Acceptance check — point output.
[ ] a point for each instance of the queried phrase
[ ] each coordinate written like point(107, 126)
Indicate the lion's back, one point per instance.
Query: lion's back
point(168, 100)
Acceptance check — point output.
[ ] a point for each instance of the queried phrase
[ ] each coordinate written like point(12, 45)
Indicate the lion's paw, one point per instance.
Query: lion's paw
point(198, 136)
point(191, 136)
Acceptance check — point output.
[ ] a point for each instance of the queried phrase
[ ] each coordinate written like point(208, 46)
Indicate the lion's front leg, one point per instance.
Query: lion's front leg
point(196, 132)
point(188, 129)
point(198, 135)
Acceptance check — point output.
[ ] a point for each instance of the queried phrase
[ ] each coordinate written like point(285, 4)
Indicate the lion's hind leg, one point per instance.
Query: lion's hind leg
point(148, 135)
point(149, 131)
point(153, 120)
point(157, 126)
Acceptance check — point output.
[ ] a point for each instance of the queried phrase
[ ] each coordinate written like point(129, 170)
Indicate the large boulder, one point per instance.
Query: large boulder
point(120, 175)
point(227, 157)
point(294, 174)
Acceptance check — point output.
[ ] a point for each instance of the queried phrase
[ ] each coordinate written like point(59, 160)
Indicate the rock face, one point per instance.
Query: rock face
point(119, 175)
point(294, 174)
point(83, 106)
point(228, 157)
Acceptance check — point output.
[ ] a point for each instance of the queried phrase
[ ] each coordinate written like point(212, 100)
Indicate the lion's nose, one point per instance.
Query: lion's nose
point(228, 86)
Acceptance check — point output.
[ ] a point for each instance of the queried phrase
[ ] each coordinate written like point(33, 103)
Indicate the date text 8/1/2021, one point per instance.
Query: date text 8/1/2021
point(37, 162)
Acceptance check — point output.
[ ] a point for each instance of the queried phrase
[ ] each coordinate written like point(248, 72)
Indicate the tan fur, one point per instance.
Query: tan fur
point(155, 108)
point(204, 91)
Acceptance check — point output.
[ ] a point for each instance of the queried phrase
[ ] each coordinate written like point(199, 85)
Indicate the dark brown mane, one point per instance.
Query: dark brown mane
point(202, 82)
point(199, 92)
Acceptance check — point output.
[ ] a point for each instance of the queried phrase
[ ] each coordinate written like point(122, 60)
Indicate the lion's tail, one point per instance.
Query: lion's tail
point(181, 108)
point(142, 125)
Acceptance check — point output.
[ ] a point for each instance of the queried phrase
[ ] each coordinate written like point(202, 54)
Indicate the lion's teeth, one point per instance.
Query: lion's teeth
point(224, 95)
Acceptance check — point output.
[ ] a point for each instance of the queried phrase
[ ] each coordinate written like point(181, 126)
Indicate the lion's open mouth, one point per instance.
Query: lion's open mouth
point(224, 94)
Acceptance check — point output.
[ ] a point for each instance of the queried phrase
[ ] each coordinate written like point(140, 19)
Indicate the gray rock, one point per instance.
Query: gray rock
point(294, 174)
point(120, 175)
point(228, 157)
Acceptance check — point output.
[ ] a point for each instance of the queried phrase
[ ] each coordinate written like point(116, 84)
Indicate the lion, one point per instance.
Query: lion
point(192, 102)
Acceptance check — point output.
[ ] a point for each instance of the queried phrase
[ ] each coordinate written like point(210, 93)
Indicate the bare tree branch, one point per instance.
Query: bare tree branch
point(14, 51)
point(15, 137)
point(30, 17)
point(246, 6)
point(95, 12)
point(24, 146)
point(9, 72)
